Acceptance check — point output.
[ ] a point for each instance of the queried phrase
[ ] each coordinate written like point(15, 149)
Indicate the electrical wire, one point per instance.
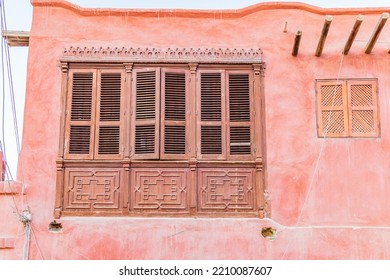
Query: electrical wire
point(25, 215)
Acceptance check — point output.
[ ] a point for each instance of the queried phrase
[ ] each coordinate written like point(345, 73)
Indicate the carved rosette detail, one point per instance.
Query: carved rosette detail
point(169, 54)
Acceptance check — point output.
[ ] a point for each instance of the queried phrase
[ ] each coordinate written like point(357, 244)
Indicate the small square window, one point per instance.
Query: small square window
point(347, 108)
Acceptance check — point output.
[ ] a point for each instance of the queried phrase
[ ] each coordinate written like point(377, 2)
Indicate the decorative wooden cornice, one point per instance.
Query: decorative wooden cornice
point(171, 55)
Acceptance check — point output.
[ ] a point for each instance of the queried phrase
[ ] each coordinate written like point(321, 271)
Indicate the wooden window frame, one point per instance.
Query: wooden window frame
point(345, 106)
point(108, 179)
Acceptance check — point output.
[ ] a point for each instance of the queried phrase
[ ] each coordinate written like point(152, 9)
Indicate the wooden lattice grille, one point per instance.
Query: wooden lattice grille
point(363, 110)
point(347, 108)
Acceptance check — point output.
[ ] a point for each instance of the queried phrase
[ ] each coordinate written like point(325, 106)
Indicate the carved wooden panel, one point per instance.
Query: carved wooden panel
point(92, 190)
point(160, 190)
point(226, 190)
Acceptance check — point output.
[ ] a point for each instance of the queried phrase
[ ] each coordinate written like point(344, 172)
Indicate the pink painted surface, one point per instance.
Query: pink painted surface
point(335, 190)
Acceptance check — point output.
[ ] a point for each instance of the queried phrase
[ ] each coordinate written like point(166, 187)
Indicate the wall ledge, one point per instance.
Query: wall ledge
point(7, 242)
point(11, 188)
point(217, 14)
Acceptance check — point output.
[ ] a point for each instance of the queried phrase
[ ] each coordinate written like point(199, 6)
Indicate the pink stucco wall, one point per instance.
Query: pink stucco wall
point(329, 198)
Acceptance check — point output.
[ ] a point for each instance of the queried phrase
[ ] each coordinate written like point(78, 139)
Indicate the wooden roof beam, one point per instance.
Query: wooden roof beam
point(377, 31)
point(297, 41)
point(353, 34)
point(324, 33)
point(16, 38)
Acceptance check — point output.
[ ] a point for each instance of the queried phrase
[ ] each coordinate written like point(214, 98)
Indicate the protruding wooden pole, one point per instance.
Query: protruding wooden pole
point(297, 41)
point(377, 31)
point(324, 33)
point(353, 34)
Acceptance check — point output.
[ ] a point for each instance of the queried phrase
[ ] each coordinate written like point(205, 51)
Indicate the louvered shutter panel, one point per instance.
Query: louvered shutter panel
point(239, 92)
point(363, 110)
point(146, 113)
point(174, 90)
point(212, 115)
point(80, 116)
point(108, 134)
point(332, 114)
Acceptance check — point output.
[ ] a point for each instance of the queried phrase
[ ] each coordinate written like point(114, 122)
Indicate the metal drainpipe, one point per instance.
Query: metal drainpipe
point(25, 218)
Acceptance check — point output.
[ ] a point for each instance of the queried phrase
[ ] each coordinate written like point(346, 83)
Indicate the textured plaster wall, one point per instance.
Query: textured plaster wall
point(334, 190)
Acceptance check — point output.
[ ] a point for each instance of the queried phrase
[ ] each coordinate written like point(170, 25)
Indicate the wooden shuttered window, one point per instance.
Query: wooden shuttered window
point(174, 89)
point(212, 114)
point(108, 120)
point(146, 88)
point(347, 108)
point(94, 114)
point(225, 115)
point(160, 113)
point(239, 102)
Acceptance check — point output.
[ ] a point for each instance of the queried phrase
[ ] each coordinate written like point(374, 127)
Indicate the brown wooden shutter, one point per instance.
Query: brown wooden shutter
point(239, 93)
point(212, 114)
point(332, 113)
point(80, 114)
point(146, 112)
point(110, 88)
point(363, 110)
point(174, 88)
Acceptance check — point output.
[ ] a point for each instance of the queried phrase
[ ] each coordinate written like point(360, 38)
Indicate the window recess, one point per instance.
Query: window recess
point(347, 108)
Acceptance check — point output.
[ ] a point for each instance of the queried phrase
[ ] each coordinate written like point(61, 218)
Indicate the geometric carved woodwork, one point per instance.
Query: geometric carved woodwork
point(91, 190)
point(227, 190)
point(160, 190)
point(198, 55)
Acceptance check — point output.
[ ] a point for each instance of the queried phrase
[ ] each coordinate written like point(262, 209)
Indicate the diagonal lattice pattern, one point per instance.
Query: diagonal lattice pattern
point(362, 121)
point(331, 95)
point(333, 121)
point(361, 95)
